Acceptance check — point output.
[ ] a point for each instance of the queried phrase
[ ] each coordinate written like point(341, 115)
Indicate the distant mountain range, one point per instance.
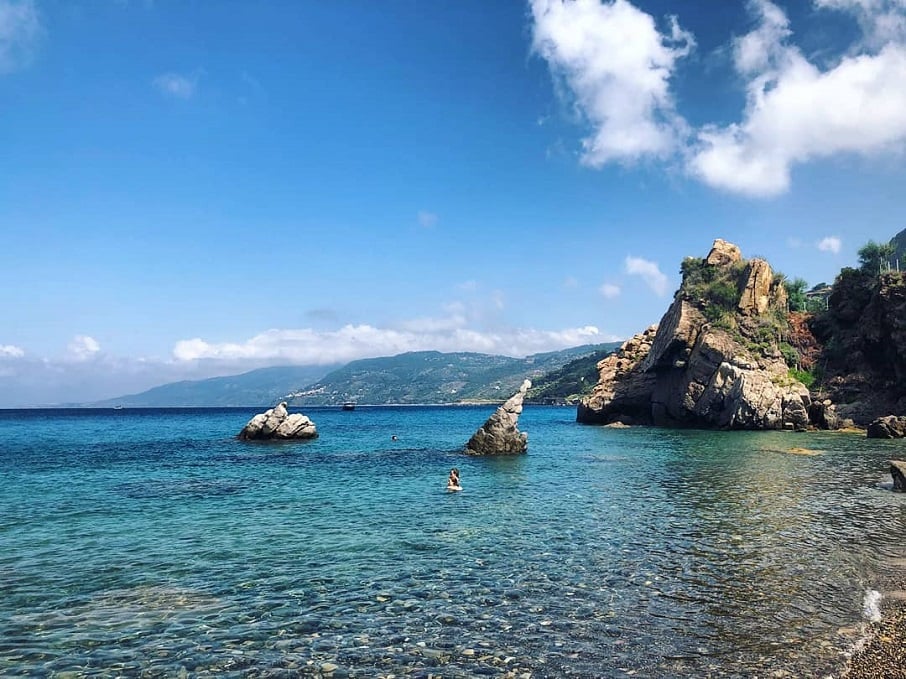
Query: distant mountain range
point(415, 377)
point(254, 388)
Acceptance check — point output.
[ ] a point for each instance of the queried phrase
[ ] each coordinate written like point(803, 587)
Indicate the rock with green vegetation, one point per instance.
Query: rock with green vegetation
point(715, 359)
point(499, 435)
point(862, 335)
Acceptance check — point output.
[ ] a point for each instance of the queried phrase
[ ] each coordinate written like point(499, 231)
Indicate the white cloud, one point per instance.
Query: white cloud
point(176, 85)
point(609, 291)
point(797, 113)
point(830, 244)
point(617, 65)
point(610, 57)
point(882, 21)
point(11, 351)
point(427, 220)
point(20, 30)
point(83, 347)
point(306, 346)
point(498, 299)
point(649, 272)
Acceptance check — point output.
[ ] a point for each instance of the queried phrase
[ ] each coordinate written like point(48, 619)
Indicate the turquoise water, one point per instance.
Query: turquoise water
point(153, 542)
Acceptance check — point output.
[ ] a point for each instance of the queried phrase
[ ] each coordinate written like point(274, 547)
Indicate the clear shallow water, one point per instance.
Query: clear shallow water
point(153, 542)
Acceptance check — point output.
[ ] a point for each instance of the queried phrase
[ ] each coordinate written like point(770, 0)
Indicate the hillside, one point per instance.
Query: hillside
point(433, 377)
point(569, 383)
point(264, 386)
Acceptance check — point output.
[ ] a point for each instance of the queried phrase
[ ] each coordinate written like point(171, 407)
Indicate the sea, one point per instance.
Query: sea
point(154, 543)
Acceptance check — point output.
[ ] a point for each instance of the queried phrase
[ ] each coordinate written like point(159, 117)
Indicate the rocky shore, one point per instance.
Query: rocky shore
point(883, 655)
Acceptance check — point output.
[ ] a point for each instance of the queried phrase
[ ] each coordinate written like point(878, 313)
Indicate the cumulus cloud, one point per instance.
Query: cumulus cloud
point(11, 351)
point(83, 347)
point(176, 85)
point(797, 113)
point(616, 65)
point(426, 219)
point(830, 244)
point(882, 21)
point(20, 30)
point(609, 291)
point(610, 57)
point(649, 272)
point(306, 346)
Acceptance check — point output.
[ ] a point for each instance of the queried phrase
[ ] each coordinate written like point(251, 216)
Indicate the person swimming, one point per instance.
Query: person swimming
point(453, 480)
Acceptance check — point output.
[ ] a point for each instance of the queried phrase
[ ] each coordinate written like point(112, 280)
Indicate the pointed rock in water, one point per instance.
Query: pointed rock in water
point(499, 435)
point(277, 423)
point(898, 472)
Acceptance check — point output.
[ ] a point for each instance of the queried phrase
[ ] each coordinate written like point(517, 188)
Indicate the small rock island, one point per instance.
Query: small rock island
point(499, 435)
point(278, 424)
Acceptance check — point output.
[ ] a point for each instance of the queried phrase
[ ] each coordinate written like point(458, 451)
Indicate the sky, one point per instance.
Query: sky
point(191, 189)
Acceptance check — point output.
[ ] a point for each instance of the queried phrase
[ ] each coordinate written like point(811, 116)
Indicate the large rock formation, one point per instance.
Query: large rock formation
point(863, 338)
point(889, 427)
point(714, 360)
point(499, 435)
point(277, 423)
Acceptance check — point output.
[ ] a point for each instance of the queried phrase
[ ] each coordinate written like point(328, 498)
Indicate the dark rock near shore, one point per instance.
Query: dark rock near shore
point(277, 423)
point(863, 339)
point(889, 427)
point(898, 472)
point(499, 435)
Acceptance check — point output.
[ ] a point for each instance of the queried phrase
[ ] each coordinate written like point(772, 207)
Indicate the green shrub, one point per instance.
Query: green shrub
point(790, 355)
point(804, 376)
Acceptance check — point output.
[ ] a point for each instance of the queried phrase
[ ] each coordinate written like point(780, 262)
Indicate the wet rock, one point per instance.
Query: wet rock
point(499, 435)
point(889, 427)
point(277, 423)
point(898, 472)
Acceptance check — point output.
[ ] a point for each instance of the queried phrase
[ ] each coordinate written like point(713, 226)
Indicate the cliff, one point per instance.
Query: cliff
point(717, 359)
point(863, 344)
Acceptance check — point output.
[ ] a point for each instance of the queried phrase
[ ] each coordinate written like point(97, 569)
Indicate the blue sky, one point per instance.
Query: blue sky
point(191, 189)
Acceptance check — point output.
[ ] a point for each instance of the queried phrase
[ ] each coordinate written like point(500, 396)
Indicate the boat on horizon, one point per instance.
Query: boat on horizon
point(348, 405)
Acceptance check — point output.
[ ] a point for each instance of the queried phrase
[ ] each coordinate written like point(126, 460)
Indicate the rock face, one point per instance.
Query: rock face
point(712, 362)
point(889, 427)
point(277, 423)
point(863, 339)
point(898, 472)
point(499, 435)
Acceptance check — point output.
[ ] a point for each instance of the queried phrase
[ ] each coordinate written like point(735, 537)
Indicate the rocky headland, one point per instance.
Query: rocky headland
point(277, 423)
point(720, 358)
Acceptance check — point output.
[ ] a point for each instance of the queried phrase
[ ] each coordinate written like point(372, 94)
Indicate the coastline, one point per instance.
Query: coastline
point(882, 655)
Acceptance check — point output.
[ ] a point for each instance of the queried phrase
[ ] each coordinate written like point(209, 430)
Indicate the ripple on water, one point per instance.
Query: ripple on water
point(603, 552)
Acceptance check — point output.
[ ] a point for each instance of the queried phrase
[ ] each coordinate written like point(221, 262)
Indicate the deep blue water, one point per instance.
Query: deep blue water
point(154, 542)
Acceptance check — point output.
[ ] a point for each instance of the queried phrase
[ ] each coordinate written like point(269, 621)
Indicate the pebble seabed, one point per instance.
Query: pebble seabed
point(169, 557)
point(882, 653)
